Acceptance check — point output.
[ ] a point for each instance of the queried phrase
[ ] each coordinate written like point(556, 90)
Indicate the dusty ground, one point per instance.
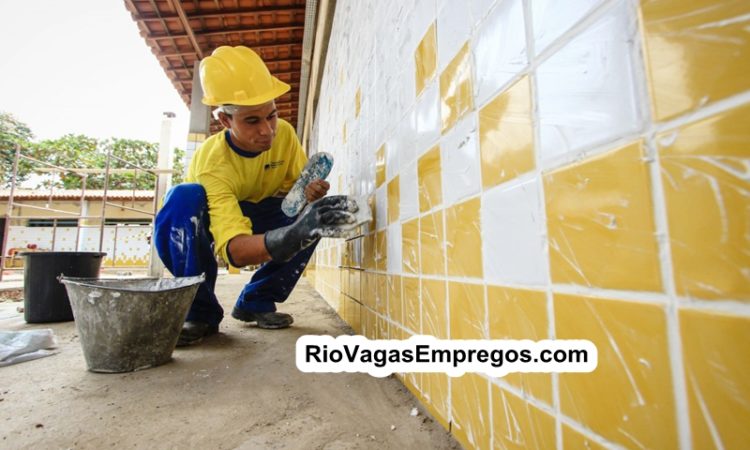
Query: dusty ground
point(240, 389)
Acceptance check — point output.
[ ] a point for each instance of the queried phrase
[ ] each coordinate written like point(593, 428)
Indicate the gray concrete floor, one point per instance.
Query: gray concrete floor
point(239, 389)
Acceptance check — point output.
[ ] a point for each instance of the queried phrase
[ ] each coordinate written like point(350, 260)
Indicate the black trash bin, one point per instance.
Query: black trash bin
point(44, 297)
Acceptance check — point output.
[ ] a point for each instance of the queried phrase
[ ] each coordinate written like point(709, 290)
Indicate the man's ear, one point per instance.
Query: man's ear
point(225, 120)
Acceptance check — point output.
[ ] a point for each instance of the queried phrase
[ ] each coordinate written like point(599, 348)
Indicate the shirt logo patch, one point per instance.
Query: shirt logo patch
point(273, 164)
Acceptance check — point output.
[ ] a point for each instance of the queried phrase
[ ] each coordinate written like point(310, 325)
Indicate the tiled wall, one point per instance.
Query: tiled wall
point(129, 244)
point(547, 169)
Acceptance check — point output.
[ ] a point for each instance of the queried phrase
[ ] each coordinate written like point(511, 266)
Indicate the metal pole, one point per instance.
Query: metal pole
point(163, 183)
point(114, 246)
point(104, 200)
point(8, 210)
point(54, 233)
point(81, 210)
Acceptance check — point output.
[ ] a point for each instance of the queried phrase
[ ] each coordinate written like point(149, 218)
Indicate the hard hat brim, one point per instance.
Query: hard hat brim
point(279, 88)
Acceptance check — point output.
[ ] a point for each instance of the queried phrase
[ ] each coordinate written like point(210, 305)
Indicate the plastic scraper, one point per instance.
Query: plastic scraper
point(317, 168)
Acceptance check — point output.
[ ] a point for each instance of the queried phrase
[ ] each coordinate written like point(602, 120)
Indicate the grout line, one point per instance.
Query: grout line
point(736, 307)
point(535, 60)
point(541, 405)
point(674, 343)
point(541, 205)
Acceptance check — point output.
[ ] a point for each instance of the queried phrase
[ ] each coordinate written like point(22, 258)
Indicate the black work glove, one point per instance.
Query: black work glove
point(322, 218)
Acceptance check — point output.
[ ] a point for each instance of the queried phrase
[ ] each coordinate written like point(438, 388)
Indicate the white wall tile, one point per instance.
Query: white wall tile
point(513, 241)
point(409, 195)
point(381, 206)
point(459, 153)
point(427, 118)
point(408, 92)
point(479, 10)
point(423, 15)
point(586, 92)
point(393, 237)
point(551, 19)
point(391, 157)
point(453, 30)
point(499, 49)
point(406, 135)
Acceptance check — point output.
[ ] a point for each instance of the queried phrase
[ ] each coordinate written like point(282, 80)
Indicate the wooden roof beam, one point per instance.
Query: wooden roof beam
point(254, 47)
point(225, 13)
point(186, 25)
point(262, 29)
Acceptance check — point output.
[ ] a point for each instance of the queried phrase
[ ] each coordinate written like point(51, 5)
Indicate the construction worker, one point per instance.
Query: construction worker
point(231, 203)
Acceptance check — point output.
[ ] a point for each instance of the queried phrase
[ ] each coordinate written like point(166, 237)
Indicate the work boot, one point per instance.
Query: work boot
point(194, 332)
point(267, 320)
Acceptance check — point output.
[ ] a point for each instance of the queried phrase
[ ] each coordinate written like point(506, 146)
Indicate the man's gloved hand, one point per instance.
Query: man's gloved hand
point(322, 218)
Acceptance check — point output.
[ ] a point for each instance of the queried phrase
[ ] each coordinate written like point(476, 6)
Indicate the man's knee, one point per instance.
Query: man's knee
point(186, 193)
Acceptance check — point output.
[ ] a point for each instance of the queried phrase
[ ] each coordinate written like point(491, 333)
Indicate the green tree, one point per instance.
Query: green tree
point(79, 151)
point(12, 132)
point(83, 152)
point(70, 151)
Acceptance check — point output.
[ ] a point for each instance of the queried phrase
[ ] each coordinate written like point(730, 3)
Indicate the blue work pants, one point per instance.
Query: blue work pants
point(186, 247)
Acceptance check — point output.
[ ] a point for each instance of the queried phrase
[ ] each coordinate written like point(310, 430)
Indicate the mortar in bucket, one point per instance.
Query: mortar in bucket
point(129, 324)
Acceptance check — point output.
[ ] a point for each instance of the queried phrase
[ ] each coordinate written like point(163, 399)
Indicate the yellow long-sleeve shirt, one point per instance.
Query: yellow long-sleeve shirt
point(229, 177)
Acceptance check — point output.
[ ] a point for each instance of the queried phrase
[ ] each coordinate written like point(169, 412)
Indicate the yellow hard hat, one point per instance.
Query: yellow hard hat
point(237, 76)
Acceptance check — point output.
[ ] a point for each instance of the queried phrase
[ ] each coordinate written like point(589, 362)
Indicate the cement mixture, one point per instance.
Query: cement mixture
point(240, 389)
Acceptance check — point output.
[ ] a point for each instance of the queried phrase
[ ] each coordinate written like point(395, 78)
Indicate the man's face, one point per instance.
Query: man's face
point(253, 127)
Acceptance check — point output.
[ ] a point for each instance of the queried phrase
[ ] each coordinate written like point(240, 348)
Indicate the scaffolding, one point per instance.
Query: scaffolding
point(82, 214)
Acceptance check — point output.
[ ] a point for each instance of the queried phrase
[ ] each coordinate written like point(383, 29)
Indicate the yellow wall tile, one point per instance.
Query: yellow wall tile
point(381, 293)
point(435, 388)
point(429, 174)
point(413, 382)
point(434, 314)
point(707, 190)
point(467, 312)
point(425, 59)
point(381, 250)
point(456, 96)
point(506, 141)
point(463, 239)
point(521, 314)
point(382, 325)
point(716, 373)
point(368, 289)
point(600, 221)
point(410, 246)
point(629, 398)
point(355, 312)
point(412, 309)
point(357, 102)
point(394, 195)
point(431, 244)
point(341, 305)
point(368, 251)
point(395, 305)
point(371, 225)
point(368, 324)
point(573, 440)
point(355, 284)
point(470, 410)
point(697, 52)
point(518, 425)
point(380, 166)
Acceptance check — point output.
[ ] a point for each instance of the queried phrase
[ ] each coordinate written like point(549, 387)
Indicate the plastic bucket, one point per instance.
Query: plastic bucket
point(44, 298)
point(129, 324)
